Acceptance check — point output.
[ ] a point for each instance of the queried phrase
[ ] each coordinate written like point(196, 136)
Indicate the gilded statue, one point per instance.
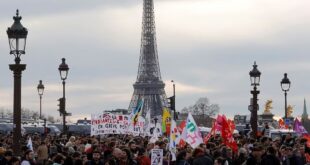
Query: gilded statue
point(268, 106)
point(289, 111)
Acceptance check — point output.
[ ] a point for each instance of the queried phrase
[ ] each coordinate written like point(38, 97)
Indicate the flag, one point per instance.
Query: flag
point(307, 137)
point(174, 138)
point(282, 124)
point(192, 133)
point(227, 135)
point(29, 144)
point(136, 113)
point(181, 126)
point(211, 133)
point(147, 123)
point(299, 128)
point(182, 137)
point(231, 125)
point(218, 123)
point(166, 121)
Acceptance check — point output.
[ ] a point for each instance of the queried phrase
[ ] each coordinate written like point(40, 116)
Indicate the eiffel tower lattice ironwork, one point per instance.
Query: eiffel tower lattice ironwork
point(149, 86)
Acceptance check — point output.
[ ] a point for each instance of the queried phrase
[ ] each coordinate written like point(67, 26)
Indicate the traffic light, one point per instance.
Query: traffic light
point(172, 102)
point(61, 106)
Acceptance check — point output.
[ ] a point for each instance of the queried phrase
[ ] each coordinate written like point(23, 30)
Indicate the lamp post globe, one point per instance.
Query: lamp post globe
point(17, 35)
point(63, 69)
point(285, 85)
point(255, 80)
point(255, 75)
point(40, 89)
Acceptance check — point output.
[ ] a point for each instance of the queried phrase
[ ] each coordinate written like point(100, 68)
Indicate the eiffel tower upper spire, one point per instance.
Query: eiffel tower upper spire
point(149, 65)
point(149, 86)
point(304, 115)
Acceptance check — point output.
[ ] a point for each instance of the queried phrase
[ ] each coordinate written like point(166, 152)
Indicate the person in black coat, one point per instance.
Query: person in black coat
point(270, 158)
point(200, 158)
point(255, 156)
point(181, 158)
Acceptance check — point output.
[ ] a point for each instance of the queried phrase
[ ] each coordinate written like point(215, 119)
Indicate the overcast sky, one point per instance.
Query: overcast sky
point(207, 47)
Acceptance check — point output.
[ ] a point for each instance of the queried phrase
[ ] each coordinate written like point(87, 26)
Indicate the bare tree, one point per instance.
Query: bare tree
point(203, 107)
point(185, 110)
point(50, 119)
point(2, 112)
point(35, 115)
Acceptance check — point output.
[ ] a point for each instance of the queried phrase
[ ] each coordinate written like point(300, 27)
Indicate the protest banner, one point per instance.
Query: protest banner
point(107, 123)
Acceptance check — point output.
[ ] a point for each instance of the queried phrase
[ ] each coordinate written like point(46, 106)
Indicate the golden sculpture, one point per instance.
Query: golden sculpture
point(268, 106)
point(289, 111)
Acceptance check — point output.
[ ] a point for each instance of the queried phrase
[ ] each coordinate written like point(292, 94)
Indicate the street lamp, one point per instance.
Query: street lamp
point(40, 92)
point(63, 71)
point(255, 79)
point(285, 85)
point(172, 102)
point(17, 35)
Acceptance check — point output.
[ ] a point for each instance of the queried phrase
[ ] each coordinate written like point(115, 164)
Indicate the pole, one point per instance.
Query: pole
point(64, 114)
point(40, 106)
point(174, 111)
point(17, 71)
point(45, 130)
point(255, 92)
point(285, 98)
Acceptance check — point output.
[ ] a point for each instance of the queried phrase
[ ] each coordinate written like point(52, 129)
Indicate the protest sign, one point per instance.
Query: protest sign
point(156, 157)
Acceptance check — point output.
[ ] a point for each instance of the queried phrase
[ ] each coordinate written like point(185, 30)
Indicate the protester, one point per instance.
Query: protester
point(42, 153)
point(96, 158)
point(200, 158)
point(28, 158)
point(182, 158)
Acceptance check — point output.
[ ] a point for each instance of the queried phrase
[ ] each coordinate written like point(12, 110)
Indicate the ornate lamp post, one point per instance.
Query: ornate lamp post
point(40, 92)
point(63, 71)
point(285, 85)
point(255, 79)
point(17, 35)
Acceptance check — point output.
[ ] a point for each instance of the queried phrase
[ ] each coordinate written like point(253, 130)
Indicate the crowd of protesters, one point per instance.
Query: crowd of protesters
point(130, 150)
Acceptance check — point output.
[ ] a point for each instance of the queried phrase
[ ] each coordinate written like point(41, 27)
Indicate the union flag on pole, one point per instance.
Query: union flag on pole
point(191, 132)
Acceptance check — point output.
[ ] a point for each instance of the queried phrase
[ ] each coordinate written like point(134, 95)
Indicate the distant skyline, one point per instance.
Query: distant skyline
point(207, 47)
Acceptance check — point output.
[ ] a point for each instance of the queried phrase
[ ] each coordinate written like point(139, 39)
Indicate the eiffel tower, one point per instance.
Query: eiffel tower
point(149, 86)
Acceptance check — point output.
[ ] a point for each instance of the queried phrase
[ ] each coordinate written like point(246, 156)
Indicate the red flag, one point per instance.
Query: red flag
point(218, 122)
point(308, 139)
point(181, 126)
point(227, 137)
point(211, 133)
point(231, 125)
point(307, 157)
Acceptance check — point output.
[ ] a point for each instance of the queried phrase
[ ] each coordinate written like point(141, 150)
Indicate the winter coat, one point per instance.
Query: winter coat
point(270, 160)
point(202, 160)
